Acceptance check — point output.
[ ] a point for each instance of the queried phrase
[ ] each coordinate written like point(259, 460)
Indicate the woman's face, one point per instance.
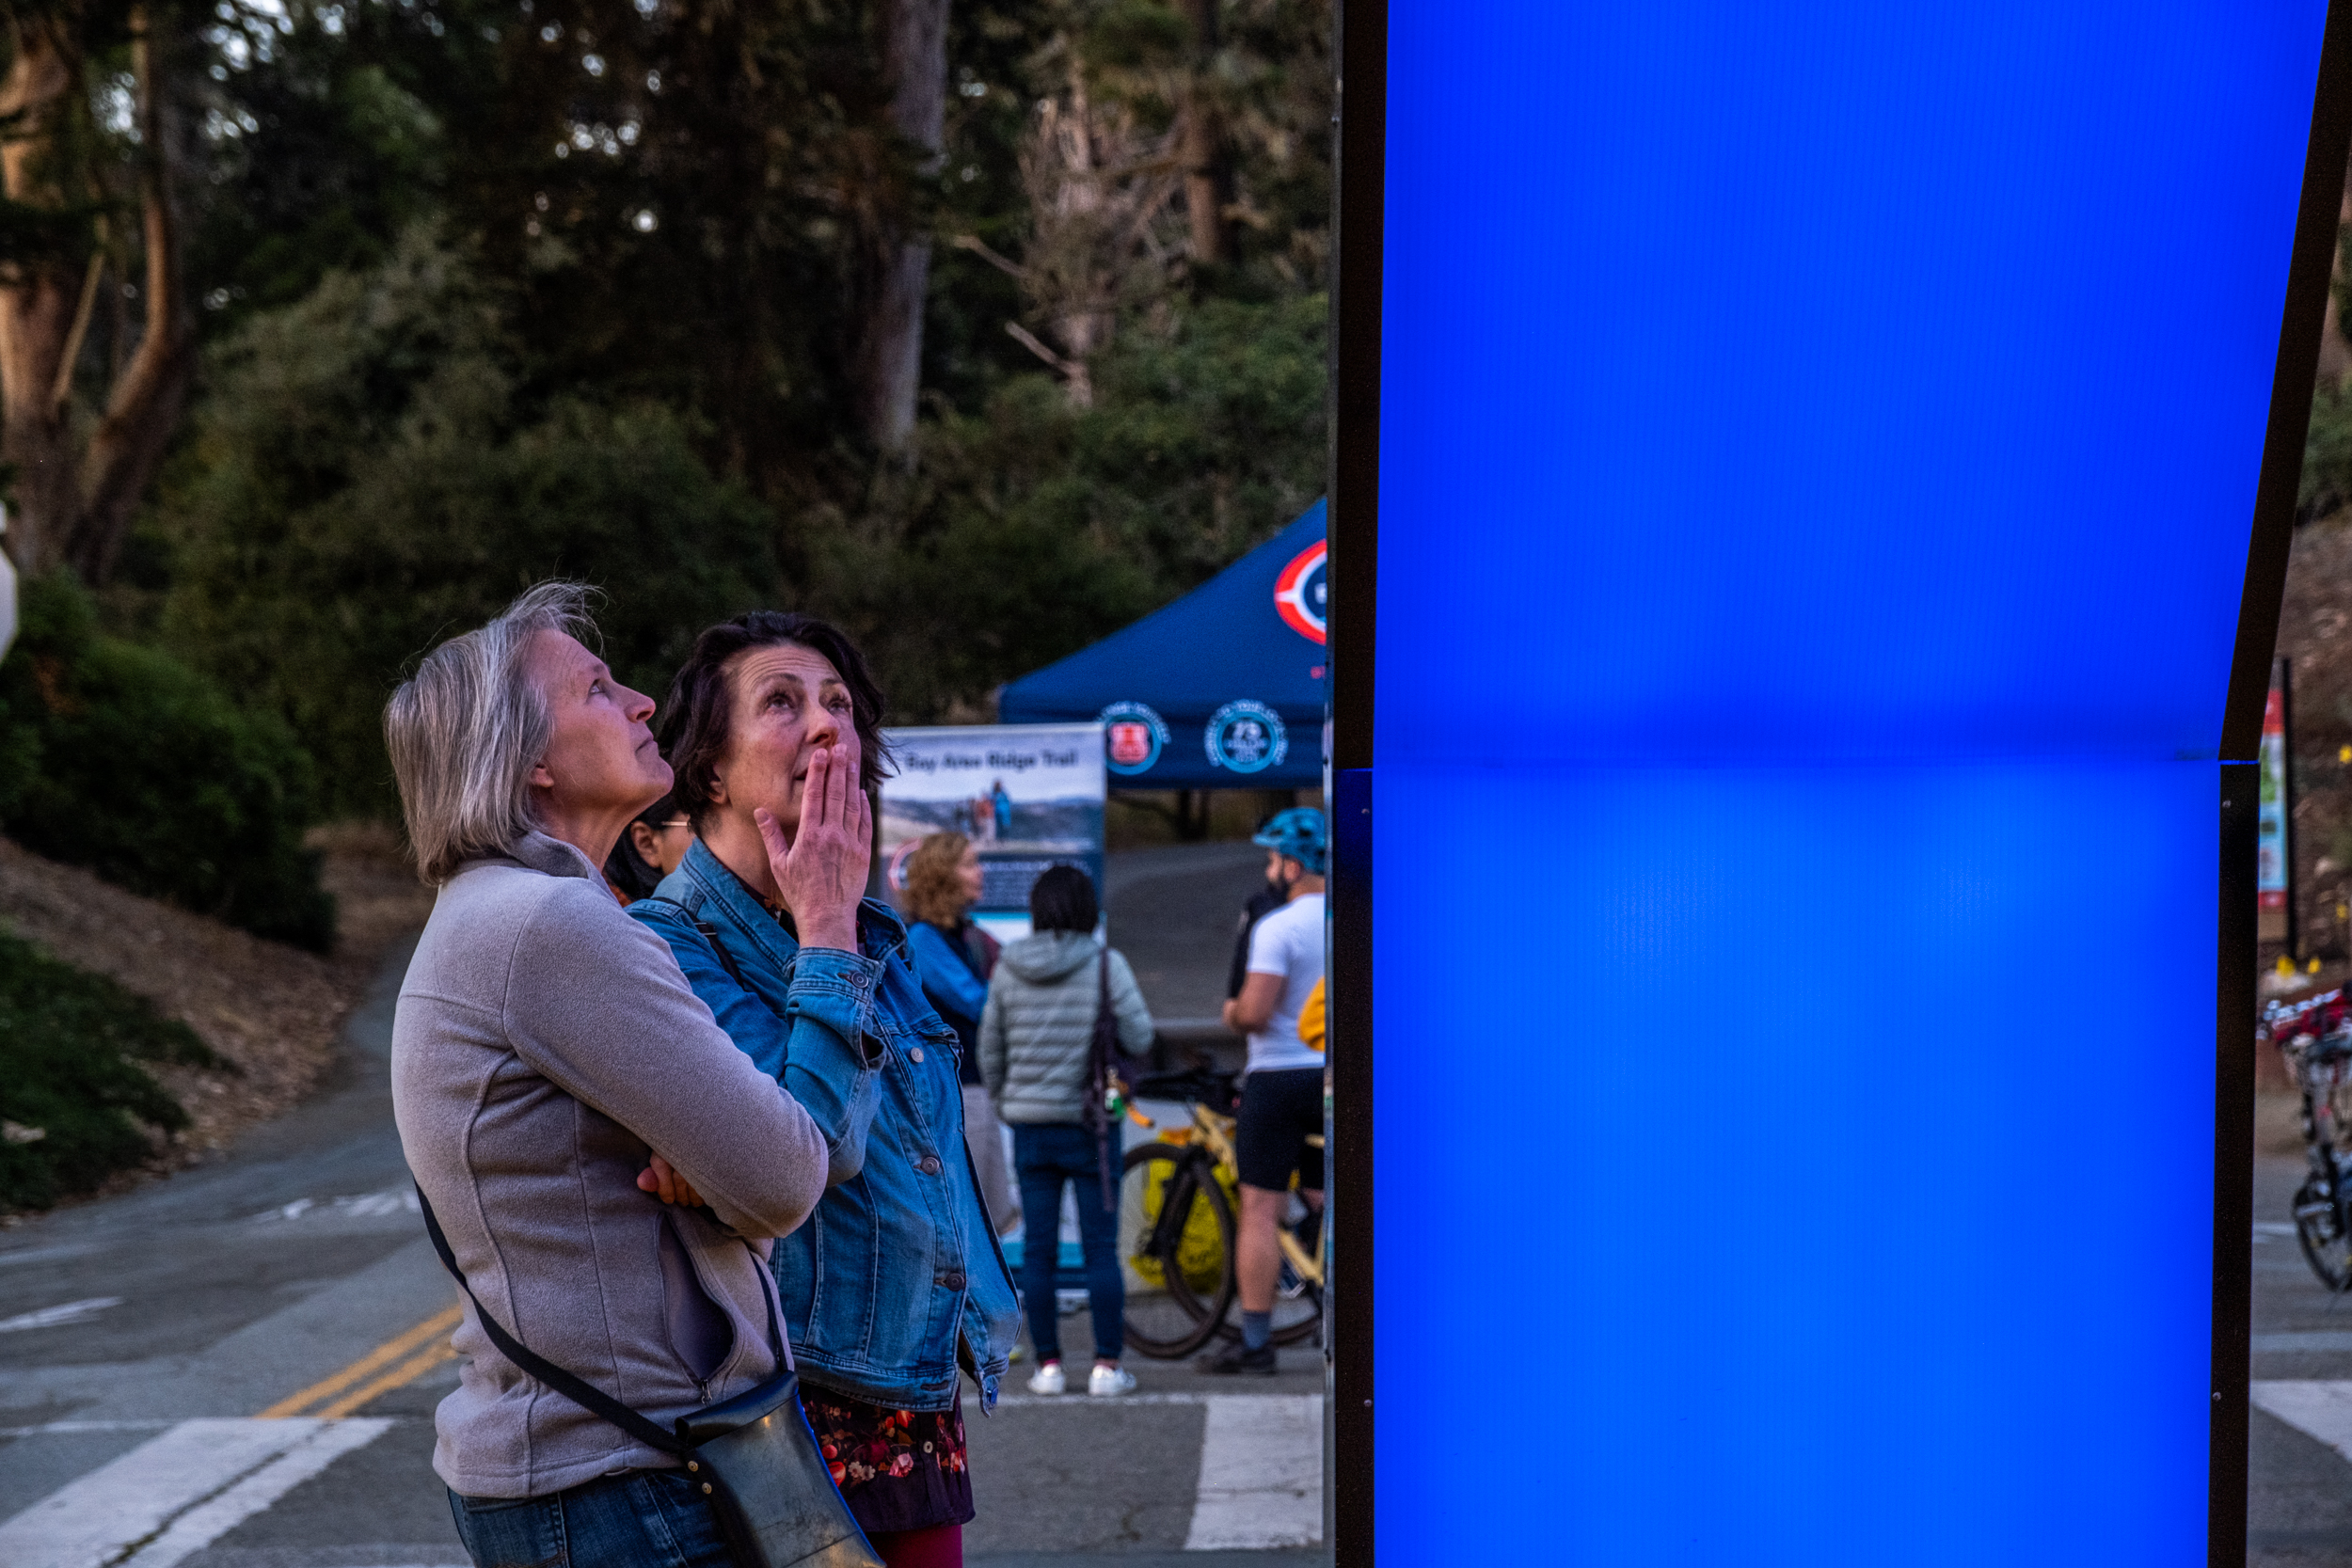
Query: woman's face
point(786, 700)
point(600, 756)
point(968, 876)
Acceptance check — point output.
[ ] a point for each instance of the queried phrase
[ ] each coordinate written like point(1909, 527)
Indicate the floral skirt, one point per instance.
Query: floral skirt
point(897, 1469)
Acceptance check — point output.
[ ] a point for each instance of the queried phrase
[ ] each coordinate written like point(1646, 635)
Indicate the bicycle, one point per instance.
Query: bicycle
point(2315, 1037)
point(1176, 1227)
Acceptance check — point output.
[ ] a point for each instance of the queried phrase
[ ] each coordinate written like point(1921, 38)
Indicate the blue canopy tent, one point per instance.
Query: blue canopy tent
point(1222, 690)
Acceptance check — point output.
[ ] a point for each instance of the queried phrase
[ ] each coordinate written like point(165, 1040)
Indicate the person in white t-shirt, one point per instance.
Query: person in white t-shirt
point(1282, 1097)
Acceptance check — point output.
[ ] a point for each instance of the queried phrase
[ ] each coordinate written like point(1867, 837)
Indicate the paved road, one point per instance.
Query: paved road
point(237, 1367)
point(2299, 1512)
point(1172, 912)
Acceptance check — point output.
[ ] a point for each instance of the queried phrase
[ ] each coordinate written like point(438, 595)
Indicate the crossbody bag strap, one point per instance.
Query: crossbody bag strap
point(580, 1393)
point(710, 935)
point(1101, 1066)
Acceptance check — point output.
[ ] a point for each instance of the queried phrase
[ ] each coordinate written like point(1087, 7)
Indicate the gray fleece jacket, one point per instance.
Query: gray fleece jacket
point(544, 1044)
point(1038, 1023)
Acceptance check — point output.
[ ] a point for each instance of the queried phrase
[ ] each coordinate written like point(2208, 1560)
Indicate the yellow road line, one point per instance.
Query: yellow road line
point(391, 1350)
point(399, 1377)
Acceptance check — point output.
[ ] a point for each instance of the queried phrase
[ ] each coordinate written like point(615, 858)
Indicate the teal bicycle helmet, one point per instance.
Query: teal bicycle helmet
point(1298, 833)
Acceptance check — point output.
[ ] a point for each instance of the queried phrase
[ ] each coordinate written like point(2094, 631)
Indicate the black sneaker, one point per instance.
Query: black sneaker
point(1236, 1358)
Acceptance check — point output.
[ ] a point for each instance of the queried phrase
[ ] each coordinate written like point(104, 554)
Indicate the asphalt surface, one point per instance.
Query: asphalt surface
point(1172, 912)
point(164, 1322)
point(2299, 1504)
point(237, 1367)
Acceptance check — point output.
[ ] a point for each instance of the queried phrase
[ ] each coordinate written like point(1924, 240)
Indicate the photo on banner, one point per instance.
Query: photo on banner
point(1029, 797)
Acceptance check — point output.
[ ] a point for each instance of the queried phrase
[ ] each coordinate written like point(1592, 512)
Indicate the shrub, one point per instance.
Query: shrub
point(365, 480)
point(148, 774)
point(71, 1086)
point(1033, 528)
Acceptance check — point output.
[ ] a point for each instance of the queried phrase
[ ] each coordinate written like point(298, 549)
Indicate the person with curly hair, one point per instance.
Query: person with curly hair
point(955, 958)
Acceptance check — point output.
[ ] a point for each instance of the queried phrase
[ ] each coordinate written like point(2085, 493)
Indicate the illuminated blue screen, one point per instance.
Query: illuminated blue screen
point(1818, 446)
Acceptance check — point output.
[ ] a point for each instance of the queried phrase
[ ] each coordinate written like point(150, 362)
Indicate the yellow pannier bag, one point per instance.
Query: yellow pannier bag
point(1198, 1252)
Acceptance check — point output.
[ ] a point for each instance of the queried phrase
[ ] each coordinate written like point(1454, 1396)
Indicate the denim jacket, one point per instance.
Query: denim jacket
point(899, 1260)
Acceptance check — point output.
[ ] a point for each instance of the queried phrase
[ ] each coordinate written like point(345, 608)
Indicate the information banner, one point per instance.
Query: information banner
point(2270, 864)
point(1027, 796)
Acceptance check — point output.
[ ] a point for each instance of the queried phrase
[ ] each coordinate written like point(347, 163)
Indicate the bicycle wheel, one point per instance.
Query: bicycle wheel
point(2326, 1247)
point(1175, 1248)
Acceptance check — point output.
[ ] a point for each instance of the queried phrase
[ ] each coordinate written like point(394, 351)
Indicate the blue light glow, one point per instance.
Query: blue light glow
point(1830, 380)
point(1787, 1168)
point(1818, 454)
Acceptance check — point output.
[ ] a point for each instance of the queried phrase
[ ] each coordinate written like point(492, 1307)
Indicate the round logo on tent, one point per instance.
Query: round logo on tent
point(895, 872)
point(1245, 737)
point(1299, 591)
point(1133, 735)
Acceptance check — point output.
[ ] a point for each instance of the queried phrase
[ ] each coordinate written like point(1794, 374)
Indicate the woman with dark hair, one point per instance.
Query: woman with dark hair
point(773, 730)
point(647, 851)
point(955, 958)
point(1037, 1035)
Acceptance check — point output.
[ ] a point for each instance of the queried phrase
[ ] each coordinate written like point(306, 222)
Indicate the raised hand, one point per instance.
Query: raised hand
point(820, 874)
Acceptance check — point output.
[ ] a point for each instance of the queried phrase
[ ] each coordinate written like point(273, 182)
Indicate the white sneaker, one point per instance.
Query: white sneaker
point(1109, 1382)
point(1048, 1379)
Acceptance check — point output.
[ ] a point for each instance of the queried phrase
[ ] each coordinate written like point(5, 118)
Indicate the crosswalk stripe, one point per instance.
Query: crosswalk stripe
point(2322, 1409)
point(1261, 1473)
point(175, 1494)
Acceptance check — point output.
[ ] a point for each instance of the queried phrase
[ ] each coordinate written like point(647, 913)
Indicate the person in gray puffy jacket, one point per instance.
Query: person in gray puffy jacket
point(1037, 1031)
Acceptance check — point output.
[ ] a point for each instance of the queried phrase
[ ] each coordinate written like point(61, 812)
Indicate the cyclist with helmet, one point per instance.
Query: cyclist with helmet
point(1282, 1097)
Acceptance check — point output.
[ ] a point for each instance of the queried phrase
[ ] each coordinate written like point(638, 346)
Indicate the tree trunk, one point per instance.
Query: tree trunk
point(1207, 182)
point(36, 300)
point(148, 396)
point(73, 507)
point(2335, 352)
point(888, 365)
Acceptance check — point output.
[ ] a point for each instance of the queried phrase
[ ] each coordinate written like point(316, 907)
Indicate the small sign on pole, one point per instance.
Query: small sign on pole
point(2274, 841)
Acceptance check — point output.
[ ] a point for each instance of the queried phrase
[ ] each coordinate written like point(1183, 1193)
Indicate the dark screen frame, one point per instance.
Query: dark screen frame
point(1360, 32)
point(1358, 143)
point(2310, 277)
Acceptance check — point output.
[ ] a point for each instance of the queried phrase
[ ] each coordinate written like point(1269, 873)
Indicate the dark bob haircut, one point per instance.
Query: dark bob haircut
point(628, 871)
point(701, 706)
point(1063, 900)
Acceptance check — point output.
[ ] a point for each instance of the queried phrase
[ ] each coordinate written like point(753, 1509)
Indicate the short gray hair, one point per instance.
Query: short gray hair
point(465, 730)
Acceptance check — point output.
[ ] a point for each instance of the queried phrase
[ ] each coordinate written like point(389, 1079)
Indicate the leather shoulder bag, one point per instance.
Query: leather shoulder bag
point(1109, 1070)
point(755, 1455)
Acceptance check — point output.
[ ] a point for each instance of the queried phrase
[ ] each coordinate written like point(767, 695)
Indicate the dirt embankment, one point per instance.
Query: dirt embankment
point(271, 1009)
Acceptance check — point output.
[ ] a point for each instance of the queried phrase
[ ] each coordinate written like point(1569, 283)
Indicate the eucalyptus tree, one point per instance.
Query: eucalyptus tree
point(98, 143)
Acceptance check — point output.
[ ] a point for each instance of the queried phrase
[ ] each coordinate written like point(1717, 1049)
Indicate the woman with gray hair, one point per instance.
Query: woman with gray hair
point(544, 1047)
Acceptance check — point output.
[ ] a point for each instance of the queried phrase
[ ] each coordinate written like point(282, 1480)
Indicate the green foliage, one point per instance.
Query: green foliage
point(495, 296)
point(1034, 528)
point(2327, 455)
point(339, 160)
point(366, 480)
point(146, 772)
point(71, 1043)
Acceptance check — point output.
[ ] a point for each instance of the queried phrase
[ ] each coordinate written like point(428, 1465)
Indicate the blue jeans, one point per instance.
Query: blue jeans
point(637, 1519)
point(1046, 1157)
